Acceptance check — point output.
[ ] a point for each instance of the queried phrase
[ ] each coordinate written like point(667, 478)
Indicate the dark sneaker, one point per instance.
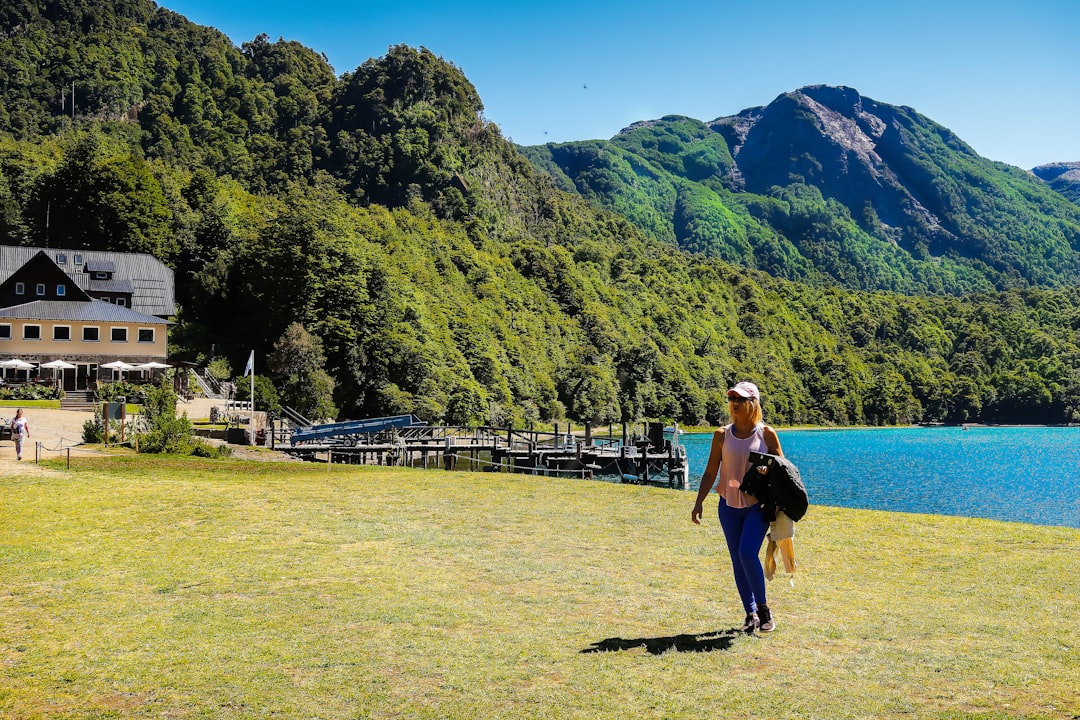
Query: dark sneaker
point(751, 623)
point(765, 621)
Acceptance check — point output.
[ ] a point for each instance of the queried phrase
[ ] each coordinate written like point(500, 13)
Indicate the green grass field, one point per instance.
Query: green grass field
point(15, 404)
point(179, 588)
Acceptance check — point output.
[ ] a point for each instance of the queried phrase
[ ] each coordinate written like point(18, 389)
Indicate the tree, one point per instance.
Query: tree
point(296, 364)
point(165, 432)
point(266, 395)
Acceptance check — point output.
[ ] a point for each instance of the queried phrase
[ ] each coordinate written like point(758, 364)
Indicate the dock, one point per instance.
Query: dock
point(649, 458)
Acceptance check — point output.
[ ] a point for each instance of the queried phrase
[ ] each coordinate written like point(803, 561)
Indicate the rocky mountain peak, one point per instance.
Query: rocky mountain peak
point(1053, 171)
point(1063, 177)
point(830, 137)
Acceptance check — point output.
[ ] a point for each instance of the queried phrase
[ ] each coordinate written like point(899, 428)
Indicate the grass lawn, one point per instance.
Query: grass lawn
point(182, 588)
point(48, 404)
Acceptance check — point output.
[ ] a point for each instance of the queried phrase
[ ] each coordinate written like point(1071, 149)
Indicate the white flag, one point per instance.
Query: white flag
point(249, 369)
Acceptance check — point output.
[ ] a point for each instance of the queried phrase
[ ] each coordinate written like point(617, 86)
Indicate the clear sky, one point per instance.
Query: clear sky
point(1004, 75)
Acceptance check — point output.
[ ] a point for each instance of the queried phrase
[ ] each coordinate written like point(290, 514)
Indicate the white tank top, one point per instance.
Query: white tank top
point(735, 463)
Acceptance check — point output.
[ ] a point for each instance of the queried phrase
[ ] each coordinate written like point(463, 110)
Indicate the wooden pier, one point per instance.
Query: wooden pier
point(650, 458)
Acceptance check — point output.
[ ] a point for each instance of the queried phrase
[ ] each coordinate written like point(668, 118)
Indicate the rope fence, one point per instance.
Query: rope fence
point(62, 448)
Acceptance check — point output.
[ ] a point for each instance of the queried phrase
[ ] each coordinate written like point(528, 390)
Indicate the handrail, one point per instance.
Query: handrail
point(294, 417)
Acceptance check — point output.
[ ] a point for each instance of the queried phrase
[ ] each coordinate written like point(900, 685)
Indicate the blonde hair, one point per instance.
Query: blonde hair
point(757, 415)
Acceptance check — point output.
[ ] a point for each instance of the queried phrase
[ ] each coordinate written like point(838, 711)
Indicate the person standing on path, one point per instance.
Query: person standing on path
point(20, 431)
point(741, 516)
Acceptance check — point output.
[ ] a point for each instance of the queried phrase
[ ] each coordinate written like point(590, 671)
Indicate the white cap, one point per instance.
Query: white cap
point(746, 390)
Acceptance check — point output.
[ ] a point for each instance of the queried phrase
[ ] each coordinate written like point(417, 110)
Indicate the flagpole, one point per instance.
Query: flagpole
point(251, 422)
point(249, 369)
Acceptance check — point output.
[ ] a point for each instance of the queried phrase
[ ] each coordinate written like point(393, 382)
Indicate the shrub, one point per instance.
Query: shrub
point(167, 435)
point(31, 391)
point(201, 448)
point(92, 430)
point(132, 394)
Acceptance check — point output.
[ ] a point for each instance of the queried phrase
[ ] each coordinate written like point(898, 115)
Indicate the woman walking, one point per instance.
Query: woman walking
point(741, 516)
point(20, 432)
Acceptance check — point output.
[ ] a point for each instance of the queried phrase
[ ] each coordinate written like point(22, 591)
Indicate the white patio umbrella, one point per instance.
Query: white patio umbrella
point(60, 365)
point(14, 364)
point(120, 365)
point(151, 366)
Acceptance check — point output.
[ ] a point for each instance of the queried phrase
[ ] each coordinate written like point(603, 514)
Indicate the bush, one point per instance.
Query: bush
point(92, 430)
point(201, 448)
point(162, 431)
point(132, 394)
point(168, 435)
point(31, 391)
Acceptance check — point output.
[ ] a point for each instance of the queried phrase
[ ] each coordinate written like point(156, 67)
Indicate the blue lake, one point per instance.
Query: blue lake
point(1022, 474)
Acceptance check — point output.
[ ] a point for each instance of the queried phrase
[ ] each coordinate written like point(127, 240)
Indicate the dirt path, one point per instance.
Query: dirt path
point(59, 430)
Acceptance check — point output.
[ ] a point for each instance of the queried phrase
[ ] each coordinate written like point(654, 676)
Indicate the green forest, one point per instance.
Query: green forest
point(384, 249)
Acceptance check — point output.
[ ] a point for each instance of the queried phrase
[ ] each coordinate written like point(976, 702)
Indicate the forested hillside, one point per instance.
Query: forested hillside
point(824, 184)
point(434, 270)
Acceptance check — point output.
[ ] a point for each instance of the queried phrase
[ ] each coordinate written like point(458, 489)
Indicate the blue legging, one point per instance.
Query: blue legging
point(744, 530)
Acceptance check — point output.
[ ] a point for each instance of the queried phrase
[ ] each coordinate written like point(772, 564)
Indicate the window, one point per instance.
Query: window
point(90, 334)
point(61, 259)
point(61, 290)
point(40, 289)
point(101, 276)
point(5, 332)
point(78, 259)
point(146, 335)
point(122, 302)
point(31, 332)
point(20, 288)
point(119, 334)
point(61, 332)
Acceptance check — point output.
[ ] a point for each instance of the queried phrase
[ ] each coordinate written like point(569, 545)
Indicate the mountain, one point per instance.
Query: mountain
point(433, 269)
point(1063, 177)
point(823, 184)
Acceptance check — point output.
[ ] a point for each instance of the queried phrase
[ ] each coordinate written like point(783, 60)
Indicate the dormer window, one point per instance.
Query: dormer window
point(40, 289)
point(61, 290)
point(78, 259)
point(61, 259)
point(20, 288)
point(101, 276)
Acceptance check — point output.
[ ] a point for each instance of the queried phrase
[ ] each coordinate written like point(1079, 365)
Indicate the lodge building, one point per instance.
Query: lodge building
point(88, 308)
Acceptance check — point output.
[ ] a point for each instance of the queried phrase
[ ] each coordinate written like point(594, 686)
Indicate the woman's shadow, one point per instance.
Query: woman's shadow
point(703, 642)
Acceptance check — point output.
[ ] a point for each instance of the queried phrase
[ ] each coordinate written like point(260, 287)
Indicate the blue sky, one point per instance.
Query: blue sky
point(1005, 76)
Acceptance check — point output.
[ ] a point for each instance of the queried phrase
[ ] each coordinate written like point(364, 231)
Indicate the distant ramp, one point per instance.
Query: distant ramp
point(352, 428)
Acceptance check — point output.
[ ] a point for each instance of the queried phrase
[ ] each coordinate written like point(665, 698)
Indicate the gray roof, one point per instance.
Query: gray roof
point(79, 311)
point(116, 286)
point(152, 284)
point(99, 265)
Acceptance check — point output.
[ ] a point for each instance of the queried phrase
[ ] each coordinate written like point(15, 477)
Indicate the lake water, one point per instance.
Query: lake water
point(1022, 474)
